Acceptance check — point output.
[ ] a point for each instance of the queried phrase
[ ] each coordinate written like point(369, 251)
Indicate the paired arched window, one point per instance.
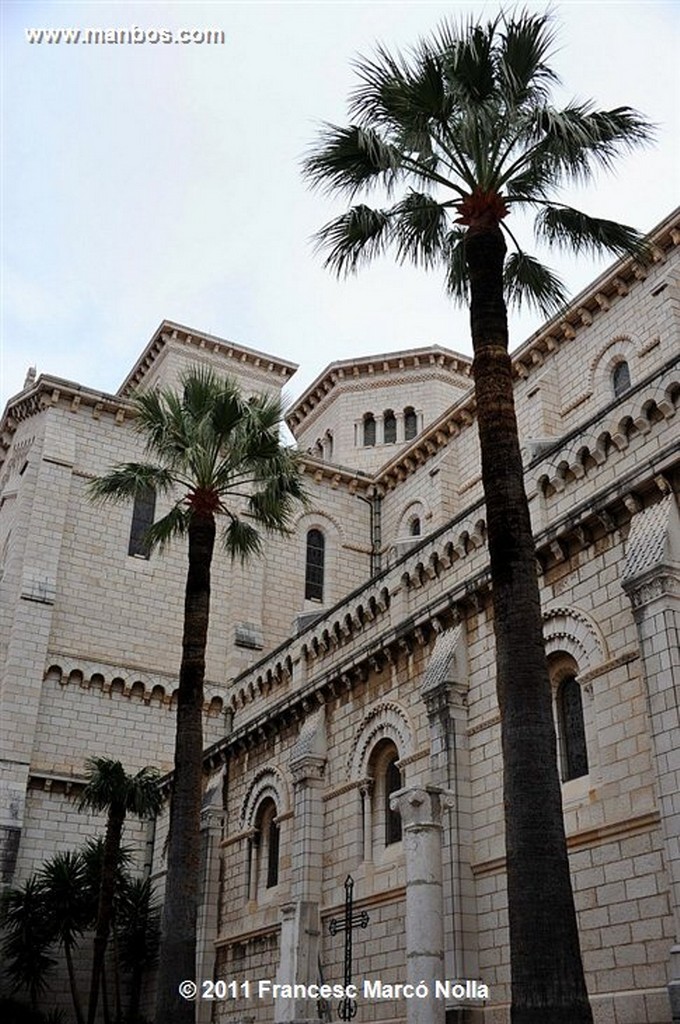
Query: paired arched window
point(315, 565)
point(410, 423)
point(621, 378)
point(390, 427)
point(369, 430)
point(571, 729)
point(143, 513)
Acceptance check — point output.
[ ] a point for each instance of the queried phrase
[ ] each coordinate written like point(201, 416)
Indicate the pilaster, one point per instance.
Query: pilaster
point(300, 919)
point(652, 581)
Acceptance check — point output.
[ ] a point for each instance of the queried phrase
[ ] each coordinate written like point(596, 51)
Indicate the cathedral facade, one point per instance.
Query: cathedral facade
point(351, 720)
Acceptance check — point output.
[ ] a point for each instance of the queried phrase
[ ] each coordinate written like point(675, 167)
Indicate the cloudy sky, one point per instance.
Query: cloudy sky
point(153, 181)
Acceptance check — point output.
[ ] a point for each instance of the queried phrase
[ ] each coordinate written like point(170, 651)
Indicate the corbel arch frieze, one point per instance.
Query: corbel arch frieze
point(571, 631)
point(269, 782)
point(386, 720)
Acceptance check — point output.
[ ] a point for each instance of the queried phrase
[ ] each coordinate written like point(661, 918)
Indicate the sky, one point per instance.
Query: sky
point(149, 181)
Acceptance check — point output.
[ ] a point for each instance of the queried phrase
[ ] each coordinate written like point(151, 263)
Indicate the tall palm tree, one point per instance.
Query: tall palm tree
point(466, 124)
point(109, 788)
point(217, 454)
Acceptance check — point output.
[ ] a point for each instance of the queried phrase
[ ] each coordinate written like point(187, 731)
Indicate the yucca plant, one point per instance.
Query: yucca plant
point(461, 135)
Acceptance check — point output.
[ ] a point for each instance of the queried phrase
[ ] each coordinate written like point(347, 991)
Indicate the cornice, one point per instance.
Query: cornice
point(170, 333)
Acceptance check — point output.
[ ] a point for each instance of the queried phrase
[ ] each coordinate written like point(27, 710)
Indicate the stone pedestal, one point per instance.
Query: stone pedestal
point(421, 810)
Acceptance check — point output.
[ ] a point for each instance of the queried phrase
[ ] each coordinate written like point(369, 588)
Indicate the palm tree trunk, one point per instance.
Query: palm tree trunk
point(72, 983)
point(112, 840)
point(178, 940)
point(546, 968)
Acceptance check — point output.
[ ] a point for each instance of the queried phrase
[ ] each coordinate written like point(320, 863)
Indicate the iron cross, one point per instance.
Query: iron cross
point(347, 1007)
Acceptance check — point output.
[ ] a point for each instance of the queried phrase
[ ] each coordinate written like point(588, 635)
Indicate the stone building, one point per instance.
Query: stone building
point(351, 719)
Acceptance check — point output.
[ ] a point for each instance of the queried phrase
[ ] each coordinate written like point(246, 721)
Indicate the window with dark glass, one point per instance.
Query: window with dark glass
point(143, 513)
point(390, 424)
point(314, 569)
point(414, 527)
point(621, 378)
point(369, 430)
point(572, 729)
point(392, 818)
point(273, 854)
point(410, 423)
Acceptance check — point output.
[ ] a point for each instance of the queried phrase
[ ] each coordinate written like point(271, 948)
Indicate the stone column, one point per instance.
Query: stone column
point(301, 919)
point(399, 417)
point(652, 581)
point(212, 824)
point(421, 810)
point(366, 790)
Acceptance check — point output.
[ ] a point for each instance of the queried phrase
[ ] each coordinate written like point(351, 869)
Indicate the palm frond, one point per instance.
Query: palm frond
point(419, 229)
point(574, 142)
point(571, 229)
point(469, 60)
point(354, 239)
point(173, 525)
point(453, 260)
point(527, 41)
point(241, 540)
point(529, 282)
point(128, 480)
point(350, 159)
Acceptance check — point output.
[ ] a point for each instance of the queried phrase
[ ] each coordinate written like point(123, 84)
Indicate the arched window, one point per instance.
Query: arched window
point(386, 776)
point(414, 526)
point(571, 729)
point(369, 430)
point(621, 378)
point(390, 423)
point(143, 513)
point(314, 565)
point(265, 847)
point(410, 423)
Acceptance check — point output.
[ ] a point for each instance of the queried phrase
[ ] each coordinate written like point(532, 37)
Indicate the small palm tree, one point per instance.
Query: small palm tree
point(216, 454)
point(466, 124)
point(66, 908)
point(109, 788)
point(138, 935)
point(27, 939)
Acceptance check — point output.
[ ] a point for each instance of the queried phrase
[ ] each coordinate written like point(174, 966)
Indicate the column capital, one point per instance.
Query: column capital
point(421, 806)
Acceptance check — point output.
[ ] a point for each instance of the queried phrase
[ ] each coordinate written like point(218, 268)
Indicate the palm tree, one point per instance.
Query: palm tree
point(109, 788)
point(26, 938)
point(66, 909)
point(466, 124)
point(216, 454)
point(138, 936)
